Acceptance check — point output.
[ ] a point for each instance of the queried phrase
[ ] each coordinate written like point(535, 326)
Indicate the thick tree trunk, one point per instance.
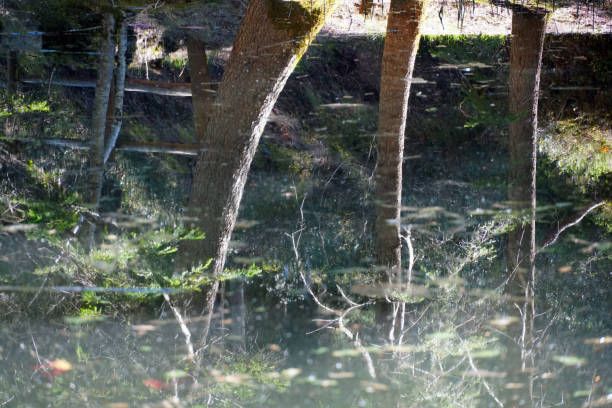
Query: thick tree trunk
point(119, 88)
point(270, 41)
point(202, 94)
point(401, 46)
point(528, 29)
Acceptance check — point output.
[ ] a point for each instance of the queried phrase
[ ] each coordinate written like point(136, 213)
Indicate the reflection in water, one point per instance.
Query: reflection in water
point(401, 46)
point(120, 286)
point(528, 28)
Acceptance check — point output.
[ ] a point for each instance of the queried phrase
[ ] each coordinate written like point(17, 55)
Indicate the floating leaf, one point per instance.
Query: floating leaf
point(341, 375)
point(236, 378)
point(599, 340)
point(569, 360)
point(504, 321)
point(486, 354)
point(373, 386)
point(274, 347)
point(155, 384)
point(346, 353)
point(83, 319)
point(291, 372)
point(176, 374)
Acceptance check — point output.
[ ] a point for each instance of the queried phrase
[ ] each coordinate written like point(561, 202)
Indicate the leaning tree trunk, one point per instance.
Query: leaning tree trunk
point(202, 93)
point(527, 41)
point(270, 41)
point(401, 46)
point(119, 90)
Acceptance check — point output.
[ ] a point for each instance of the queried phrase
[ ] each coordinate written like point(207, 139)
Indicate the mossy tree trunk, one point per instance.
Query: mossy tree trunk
point(272, 37)
point(527, 41)
point(401, 46)
point(270, 41)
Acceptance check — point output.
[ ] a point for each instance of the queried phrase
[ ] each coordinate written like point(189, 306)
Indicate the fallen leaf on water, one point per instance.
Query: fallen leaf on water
point(236, 378)
point(373, 386)
point(341, 375)
point(504, 321)
point(155, 384)
point(274, 347)
point(599, 340)
point(569, 360)
point(54, 368)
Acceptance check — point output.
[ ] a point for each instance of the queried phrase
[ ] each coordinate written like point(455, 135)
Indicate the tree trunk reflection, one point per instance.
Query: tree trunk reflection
point(401, 46)
point(272, 37)
point(528, 28)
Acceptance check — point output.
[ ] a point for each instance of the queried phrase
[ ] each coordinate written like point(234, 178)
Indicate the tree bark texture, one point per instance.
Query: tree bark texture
point(401, 46)
point(119, 90)
point(98, 122)
point(202, 94)
point(95, 175)
point(528, 29)
point(270, 41)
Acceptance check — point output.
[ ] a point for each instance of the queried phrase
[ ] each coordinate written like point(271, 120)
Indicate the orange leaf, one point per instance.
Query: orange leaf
point(155, 384)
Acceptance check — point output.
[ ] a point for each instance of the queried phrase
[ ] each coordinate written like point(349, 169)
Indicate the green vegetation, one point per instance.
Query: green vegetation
point(581, 146)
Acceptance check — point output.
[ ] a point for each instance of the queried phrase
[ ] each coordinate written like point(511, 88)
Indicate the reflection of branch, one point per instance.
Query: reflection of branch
point(355, 337)
point(341, 315)
point(314, 297)
point(183, 326)
point(349, 301)
point(548, 241)
point(407, 237)
point(484, 382)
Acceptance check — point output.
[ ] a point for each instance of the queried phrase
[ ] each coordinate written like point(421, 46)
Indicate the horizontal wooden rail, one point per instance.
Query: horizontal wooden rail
point(180, 149)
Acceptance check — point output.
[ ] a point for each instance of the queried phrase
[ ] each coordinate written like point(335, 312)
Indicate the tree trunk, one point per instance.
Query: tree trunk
point(202, 94)
point(100, 108)
point(95, 174)
point(11, 71)
point(270, 41)
point(401, 46)
point(527, 41)
point(119, 87)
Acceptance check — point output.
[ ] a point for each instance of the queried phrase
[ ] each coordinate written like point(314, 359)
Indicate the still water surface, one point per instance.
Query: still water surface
point(247, 205)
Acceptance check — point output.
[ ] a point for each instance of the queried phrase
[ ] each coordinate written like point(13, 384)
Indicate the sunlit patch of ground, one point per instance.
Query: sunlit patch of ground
point(477, 19)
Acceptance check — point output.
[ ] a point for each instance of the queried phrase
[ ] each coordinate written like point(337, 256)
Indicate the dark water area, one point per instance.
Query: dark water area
point(246, 204)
